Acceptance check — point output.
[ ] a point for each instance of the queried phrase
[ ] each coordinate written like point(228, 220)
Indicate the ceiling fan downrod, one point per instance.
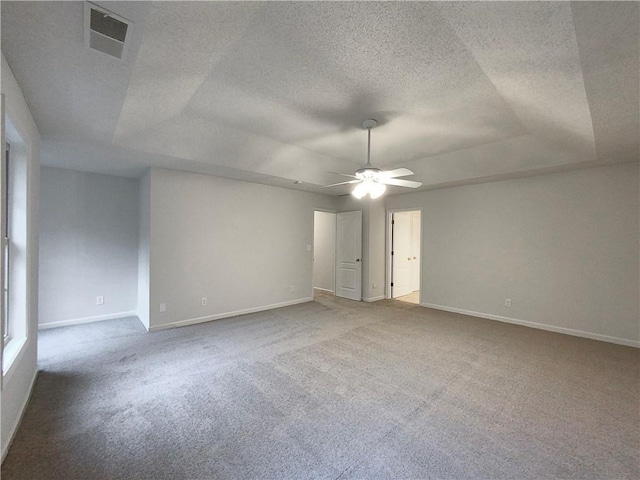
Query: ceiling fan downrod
point(369, 124)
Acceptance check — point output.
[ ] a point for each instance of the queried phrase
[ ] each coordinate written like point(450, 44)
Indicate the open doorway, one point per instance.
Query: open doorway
point(404, 280)
point(324, 253)
point(337, 254)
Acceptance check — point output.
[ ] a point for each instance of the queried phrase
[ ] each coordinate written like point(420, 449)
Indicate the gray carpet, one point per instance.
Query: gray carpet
point(331, 389)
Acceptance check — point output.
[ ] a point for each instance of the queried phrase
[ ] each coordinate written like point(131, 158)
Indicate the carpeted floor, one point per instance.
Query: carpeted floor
point(331, 389)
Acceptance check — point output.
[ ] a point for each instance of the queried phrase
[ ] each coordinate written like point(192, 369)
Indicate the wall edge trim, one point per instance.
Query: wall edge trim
point(540, 326)
point(235, 313)
point(374, 299)
point(79, 321)
point(323, 289)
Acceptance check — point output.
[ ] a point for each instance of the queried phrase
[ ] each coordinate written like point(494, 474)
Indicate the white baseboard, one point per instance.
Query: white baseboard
point(323, 290)
point(78, 321)
point(539, 326)
point(218, 316)
point(373, 299)
point(23, 409)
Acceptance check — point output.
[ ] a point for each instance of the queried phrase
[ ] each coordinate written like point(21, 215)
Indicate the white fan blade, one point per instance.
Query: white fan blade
point(400, 183)
point(398, 172)
point(342, 174)
point(341, 183)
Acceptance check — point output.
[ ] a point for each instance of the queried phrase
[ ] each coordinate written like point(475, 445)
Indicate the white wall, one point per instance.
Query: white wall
point(562, 247)
point(88, 246)
point(324, 250)
point(238, 244)
point(20, 375)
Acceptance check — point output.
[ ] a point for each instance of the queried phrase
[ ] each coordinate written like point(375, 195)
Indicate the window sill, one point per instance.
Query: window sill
point(10, 353)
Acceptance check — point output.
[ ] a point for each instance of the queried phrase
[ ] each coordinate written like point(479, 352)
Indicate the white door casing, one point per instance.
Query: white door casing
point(415, 251)
point(349, 255)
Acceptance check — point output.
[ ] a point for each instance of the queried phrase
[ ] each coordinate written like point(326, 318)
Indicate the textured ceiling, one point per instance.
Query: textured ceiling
point(274, 92)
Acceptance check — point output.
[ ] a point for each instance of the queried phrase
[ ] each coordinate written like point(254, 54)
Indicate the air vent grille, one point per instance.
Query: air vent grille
point(109, 26)
point(105, 31)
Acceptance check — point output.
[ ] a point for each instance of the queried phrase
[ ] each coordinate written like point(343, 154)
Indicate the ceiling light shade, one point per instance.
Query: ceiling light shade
point(377, 189)
point(361, 190)
point(369, 186)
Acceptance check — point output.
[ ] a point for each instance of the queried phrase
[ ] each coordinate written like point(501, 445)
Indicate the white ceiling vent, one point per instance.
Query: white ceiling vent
point(105, 31)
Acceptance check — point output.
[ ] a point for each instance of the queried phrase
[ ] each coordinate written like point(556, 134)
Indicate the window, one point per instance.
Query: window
point(13, 237)
point(5, 248)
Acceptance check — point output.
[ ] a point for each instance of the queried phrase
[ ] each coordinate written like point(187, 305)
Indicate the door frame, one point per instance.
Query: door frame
point(389, 245)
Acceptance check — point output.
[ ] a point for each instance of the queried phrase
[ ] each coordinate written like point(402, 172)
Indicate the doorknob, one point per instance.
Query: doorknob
point(409, 258)
point(414, 258)
point(357, 259)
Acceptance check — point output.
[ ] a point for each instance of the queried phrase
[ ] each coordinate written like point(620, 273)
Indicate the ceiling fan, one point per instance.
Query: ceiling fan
point(372, 180)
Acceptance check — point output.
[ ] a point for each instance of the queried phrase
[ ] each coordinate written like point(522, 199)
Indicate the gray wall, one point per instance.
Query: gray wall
point(562, 247)
point(88, 246)
point(324, 250)
point(238, 244)
point(377, 252)
point(144, 202)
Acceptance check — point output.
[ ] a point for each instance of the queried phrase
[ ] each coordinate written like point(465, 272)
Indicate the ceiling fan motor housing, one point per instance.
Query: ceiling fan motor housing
point(367, 172)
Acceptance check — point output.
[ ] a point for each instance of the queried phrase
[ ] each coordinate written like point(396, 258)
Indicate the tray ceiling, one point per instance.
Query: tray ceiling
point(275, 92)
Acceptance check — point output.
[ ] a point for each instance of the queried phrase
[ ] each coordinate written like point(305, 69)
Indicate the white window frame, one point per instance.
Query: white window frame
point(14, 344)
point(6, 327)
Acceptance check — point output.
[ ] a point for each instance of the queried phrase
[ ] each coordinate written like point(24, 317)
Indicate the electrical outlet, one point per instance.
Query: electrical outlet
point(203, 302)
point(163, 307)
point(292, 288)
point(507, 302)
point(100, 300)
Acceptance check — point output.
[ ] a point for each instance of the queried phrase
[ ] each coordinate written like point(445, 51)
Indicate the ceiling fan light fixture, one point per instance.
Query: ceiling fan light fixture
point(377, 190)
point(361, 190)
point(369, 186)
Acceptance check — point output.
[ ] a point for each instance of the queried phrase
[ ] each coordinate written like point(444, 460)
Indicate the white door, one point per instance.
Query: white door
point(415, 251)
point(401, 254)
point(349, 255)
